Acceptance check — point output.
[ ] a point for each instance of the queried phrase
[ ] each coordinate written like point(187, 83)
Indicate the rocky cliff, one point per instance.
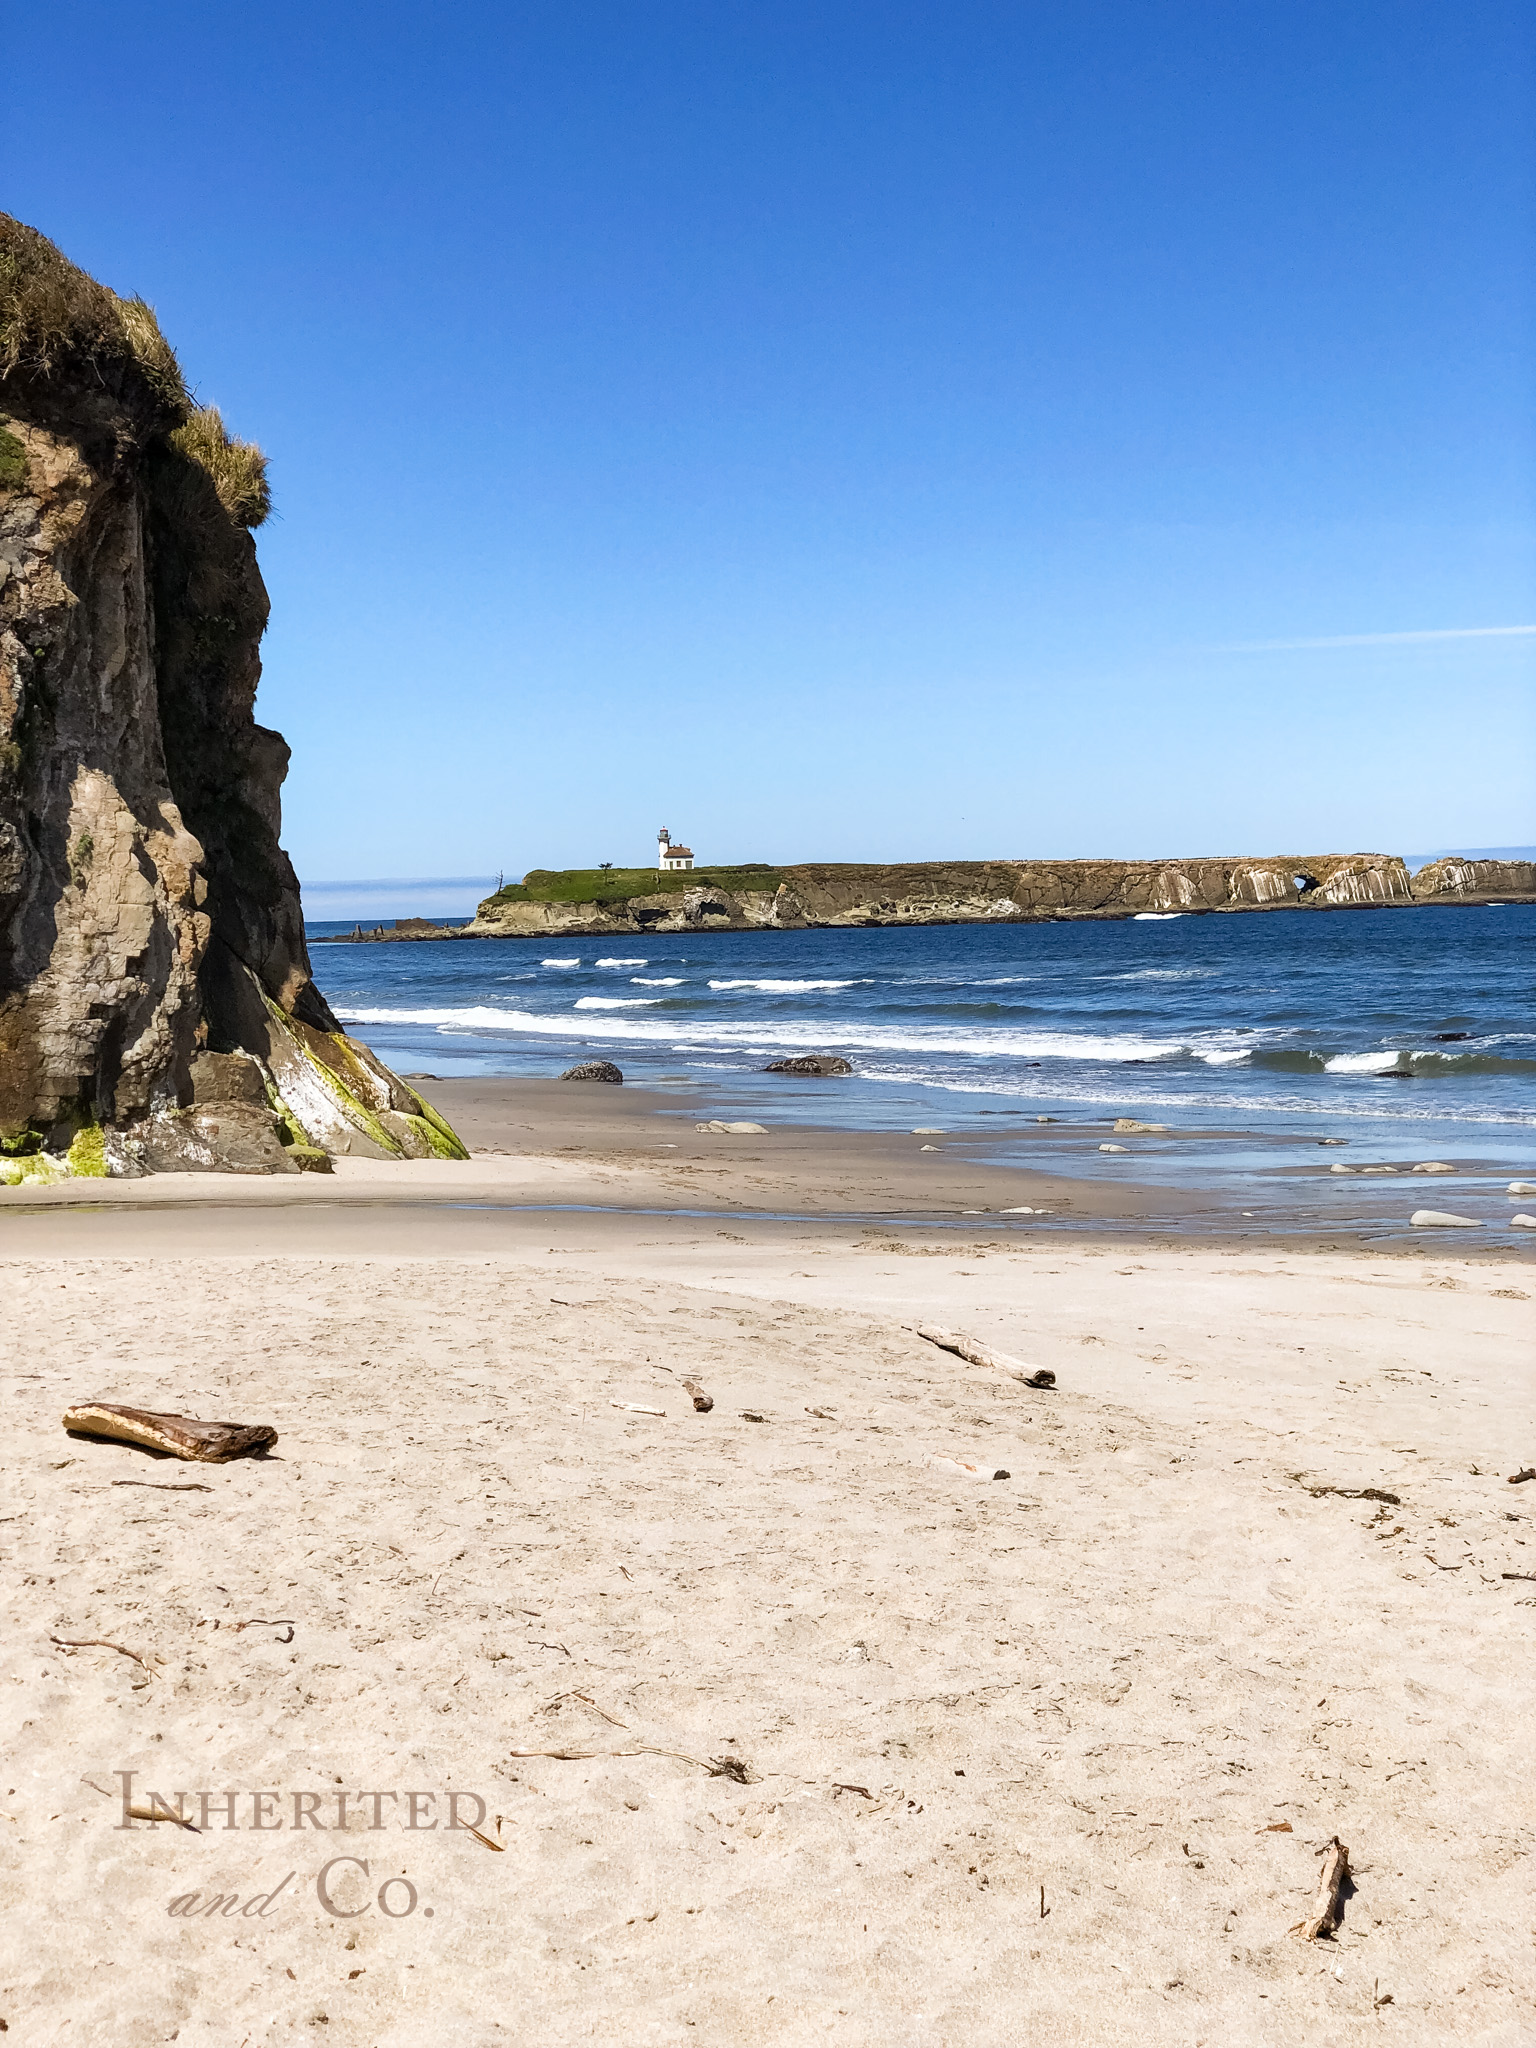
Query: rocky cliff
point(1455, 880)
point(156, 1005)
point(1001, 891)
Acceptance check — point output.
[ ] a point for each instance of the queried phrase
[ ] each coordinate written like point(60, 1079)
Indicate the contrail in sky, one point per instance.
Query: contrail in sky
point(1379, 639)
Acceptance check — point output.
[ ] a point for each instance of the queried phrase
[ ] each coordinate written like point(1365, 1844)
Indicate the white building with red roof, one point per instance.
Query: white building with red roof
point(669, 855)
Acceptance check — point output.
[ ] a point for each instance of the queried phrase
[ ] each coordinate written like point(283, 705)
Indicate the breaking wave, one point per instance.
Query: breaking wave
point(784, 988)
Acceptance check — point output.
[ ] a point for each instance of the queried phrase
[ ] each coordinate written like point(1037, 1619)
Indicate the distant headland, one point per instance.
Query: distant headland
point(611, 902)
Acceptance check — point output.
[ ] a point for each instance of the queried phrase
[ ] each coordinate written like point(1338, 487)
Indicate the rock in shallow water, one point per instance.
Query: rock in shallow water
point(1434, 1219)
point(592, 1070)
point(811, 1063)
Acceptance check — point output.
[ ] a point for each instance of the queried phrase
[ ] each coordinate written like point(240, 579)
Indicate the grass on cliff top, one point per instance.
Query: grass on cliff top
point(618, 885)
point(238, 468)
point(51, 310)
point(53, 315)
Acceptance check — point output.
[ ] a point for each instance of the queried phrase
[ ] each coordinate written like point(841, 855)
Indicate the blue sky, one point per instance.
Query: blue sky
point(847, 431)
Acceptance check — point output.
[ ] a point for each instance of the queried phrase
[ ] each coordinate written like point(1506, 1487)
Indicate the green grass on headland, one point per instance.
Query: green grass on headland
point(618, 885)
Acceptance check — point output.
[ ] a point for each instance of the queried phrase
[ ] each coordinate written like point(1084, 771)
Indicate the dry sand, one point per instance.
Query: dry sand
point(1114, 1674)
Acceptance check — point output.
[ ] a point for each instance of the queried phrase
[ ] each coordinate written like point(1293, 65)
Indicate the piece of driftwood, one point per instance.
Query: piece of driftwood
point(182, 1436)
point(1519, 1478)
point(1330, 1893)
point(636, 1408)
point(974, 1352)
point(702, 1402)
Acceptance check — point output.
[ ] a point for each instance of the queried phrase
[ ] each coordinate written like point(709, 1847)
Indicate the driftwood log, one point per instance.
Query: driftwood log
point(976, 1353)
point(181, 1436)
point(702, 1402)
point(1330, 1893)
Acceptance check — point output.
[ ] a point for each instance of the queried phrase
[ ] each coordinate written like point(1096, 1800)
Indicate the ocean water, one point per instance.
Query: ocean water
point(1410, 1035)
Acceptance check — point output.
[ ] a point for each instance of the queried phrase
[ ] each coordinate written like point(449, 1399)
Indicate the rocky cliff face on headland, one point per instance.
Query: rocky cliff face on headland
point(156, 1006)
point(1001, 891)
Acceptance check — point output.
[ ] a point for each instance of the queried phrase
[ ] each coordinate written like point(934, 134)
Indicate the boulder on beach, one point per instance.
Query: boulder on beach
point(592, 1070)
point(811, 1063)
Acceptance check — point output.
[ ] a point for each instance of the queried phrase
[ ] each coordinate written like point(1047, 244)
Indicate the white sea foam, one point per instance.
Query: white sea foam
point(1161, 974)
point(1156, 916)
point(1362, 1063)
point(614, 1002)
point(657, 980)
point(1227, 1057)
point(783, 988)
point(728, 1036)
point(559, 963)
point(623, 963)
point(1138, 1096)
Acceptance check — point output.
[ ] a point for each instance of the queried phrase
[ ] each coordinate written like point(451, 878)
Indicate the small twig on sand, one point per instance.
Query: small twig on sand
point(1517, 1575)
point(977, 1353)
point(159, 1486)
point(260, 1621)
point(636, 1408)
point(863, 1790)
point(499, 1847)
point(1390, 1500)
point(719, 1767)
point(1330, 1893)
point(161, 1813)
point(587, 1700)
point(101, 1643)
point(1519, 1478)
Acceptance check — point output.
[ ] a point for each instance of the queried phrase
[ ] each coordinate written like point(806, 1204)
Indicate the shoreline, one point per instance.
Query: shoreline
point(631, 928)
point(545, 1148)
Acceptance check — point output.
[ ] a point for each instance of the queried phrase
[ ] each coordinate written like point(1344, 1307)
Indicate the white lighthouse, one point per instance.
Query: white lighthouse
point(670, 857)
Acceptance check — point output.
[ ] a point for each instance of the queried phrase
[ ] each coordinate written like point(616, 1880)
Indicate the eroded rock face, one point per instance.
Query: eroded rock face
point(1454, 880)
point(148, 915)
point(976, 892)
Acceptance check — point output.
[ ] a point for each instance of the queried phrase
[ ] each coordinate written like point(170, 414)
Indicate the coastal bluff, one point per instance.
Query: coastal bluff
point(157, 1011)
point(833, 895)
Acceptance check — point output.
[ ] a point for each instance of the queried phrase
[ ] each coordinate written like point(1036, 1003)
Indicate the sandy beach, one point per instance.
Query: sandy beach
point(777, 1725)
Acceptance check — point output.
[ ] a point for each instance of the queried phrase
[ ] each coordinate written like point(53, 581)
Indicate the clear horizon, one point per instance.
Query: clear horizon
point(848, 429)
